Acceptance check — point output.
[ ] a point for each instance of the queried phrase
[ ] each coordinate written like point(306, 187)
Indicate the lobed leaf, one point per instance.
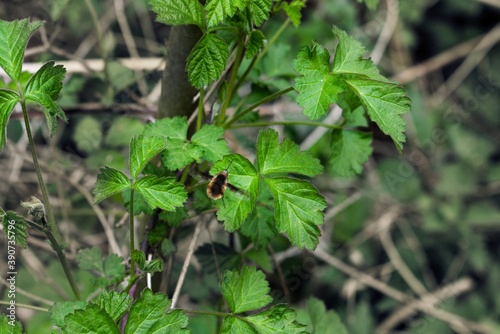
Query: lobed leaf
point(14, 37)
point(78, 322)
point(115, 304)
point(109, 182)
point(146, 311)
point(178, 12)
point(8, 100)
point(207, 60)
point(246, 290)
point(350, 150)
point(210, 139)
point(298, 208)
point(162, 192)
point(286, 157)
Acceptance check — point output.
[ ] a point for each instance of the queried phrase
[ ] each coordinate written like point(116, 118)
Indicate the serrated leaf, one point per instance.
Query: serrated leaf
point(178, 12)
point(350, 150)
point(78, 322)
point(219, 10)
point(8, 327)
point(173, 322)
point(140, 204)
point(286, 157)
point(259, 226)
point(153, 266)
point(14, 37)
point(319, 320)
point(175, 127)
point(260, 10)
point(90, 259)
point(278, 319)
point(139, 258)
point(317, 87)
point(142, 150)
point(298, 208)
point(293, 9)
point(180, 153)
point(351, 75)
point(113, 271)
point(234, 325)
point(8, 100)
point(109, 182)
point(255, 43)
point(162, 192)
point(43, 88)
point(236, 205)
point(210, 139)
point(384, 103)
point(59, 310)
point(207, 60)
point(115, 304)
point(246, 290)
point(147, 310)
point(15, 229)
point(261, 257)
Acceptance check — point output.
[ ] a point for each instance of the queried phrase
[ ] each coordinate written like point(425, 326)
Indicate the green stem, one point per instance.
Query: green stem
point(201, 111)
point(132, 233)
point(51, 232)
point(258, 57)
point(231, 88)
point(258, 103)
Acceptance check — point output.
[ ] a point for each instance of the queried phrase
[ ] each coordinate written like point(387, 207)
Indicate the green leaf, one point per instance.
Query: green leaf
point(219, 10)
point(173, 322)
point(293, 9)
point(350, 150)
point(259, 226)
point(140, 204)
point(234, 325)
point(384, 103)
point(298, 208)
point(43, 88)
point(153, 266)
point(319, 320)
point(255, 43)
point(78, 322)
point(8, 100)
point(278, 319)
point(180, 153)
point(114, 270)
point(90, 259)
point(227, 258)
point(260, 10)
point(245, 291)
point(175, 127)
point(210, 139)
point(115, 304)
point(273, 157)
point(162, 192)
point(237, 205)
point(350, 76)
point(260, 257)
point(178, 12)
point(9, 326)
point(15, 229)
point(122, 130)
point(109, 182)
point(147, 310)
point(372, 4)
point(59, 310)
point(317, 87)
point(142, 150)
point(207, 60)
point(139, 258)
point(14, 37)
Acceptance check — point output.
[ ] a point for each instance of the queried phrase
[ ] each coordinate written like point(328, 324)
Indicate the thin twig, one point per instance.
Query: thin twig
point(185, 265)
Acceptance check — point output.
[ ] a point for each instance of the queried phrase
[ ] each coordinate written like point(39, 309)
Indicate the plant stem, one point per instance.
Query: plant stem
point(258, 103)
point(258, 57)
point(51, 230)
point(231, 88)
point(200, 109)
point(132, 232)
